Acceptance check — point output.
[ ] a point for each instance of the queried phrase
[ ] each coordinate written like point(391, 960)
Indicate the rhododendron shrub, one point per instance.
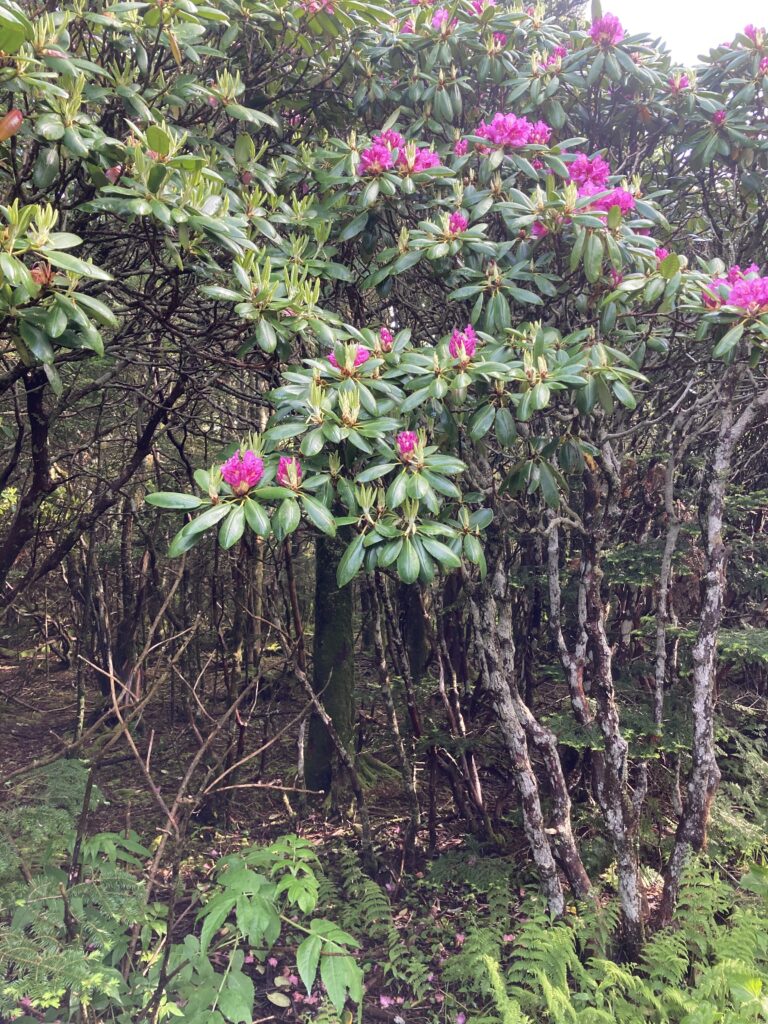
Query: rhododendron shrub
point(452, 246)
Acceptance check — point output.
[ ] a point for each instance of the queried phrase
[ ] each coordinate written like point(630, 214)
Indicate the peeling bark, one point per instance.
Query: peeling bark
point(704, 776)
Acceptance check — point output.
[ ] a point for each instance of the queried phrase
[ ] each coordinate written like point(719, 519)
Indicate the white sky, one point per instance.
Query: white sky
point(689, 27)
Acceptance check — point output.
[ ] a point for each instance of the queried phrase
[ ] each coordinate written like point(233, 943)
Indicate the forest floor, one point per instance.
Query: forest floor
point(429, 909)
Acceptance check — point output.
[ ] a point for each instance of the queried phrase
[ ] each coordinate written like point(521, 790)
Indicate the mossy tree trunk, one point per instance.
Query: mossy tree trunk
point(333, 673)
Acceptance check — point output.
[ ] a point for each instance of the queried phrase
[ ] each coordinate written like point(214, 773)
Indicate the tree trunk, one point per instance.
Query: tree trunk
point(333, 676)
point(704, 777)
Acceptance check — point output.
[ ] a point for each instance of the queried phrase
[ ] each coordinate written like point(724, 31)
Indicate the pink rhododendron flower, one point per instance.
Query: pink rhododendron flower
point(386, 1001)
point(616, 278)
point(461, 1018)
point(718, 118)
point(440, 20)
point(289, 472)
point(386, 339)
point(461, 146)
point(406, 442)
point(510, 130)
point(744, 289)
point(407, 27)
point(457, 222)
point(242, 471)
point(390, 138)
point(272, 961)
point(540, 133)
point(361, 355)
point(606, 31)
point(478, 6)
point(764, 66)
point(500, 39)
point(751, 295)
point(539, 230)
point(462, 346)
point(421, 160)
point(661, 253)
point(589, 172)
point(616, 197)
point(376, 159)
point(757, 35)
point(554, 58)
point(679, 82)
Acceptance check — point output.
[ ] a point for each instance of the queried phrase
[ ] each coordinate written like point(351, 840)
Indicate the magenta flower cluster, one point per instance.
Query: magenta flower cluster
point(463, 344)
point(362, 355)
point(388, 151)
point(661, 253)
point(440, 20)
point(478, 6)
point(457, 222)
point(242, 471)
point(592, 177)
point(744, 289)
point(406, 442)
point(513, 131)
point(606, 31)
point(386, 339)
point(592, 172)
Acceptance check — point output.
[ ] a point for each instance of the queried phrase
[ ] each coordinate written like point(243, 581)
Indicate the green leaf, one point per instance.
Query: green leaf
point(158, 140)
point(441, 553)
point(96, 308)
point(307, 959)
point(396, 492)
point(256, 518)
point(624, 395)
point(231, 530)
point(215, 914)
point(236, 999)
point(351, 561)
point(65, 261)
point(669, 266)
point(728, 342)
point(354, 228)
point(173, 499)
point(593, 257)
point(319, 515)
point(340, 974)
point(548, 484)
point(286, 519)
point(408, 563)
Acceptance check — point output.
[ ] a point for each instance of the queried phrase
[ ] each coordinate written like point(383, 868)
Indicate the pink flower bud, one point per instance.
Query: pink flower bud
point(289, 472)
point(463, 344)
point(386, 339)
point(457, 222)
point(406, 443)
